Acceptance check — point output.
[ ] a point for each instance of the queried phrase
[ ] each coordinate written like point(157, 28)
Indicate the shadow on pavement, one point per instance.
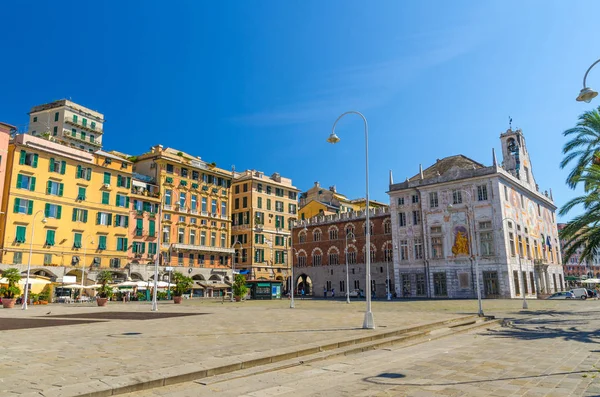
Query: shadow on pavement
point(382, 379)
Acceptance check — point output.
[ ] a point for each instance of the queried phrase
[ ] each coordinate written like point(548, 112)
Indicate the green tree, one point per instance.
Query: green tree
point(584, 146)
point(105, 290)
point(182, 283)
point(12, 276)
point(239, 286)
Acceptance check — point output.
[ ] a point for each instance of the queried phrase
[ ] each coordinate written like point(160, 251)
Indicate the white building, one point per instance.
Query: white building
point(68, 123)
point(453, 218)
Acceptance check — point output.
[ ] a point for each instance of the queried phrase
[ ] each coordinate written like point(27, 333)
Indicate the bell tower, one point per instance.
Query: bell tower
point(515, 158)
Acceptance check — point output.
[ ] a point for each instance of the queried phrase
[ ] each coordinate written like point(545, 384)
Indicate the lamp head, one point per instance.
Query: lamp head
point(44, 220)
point(333, 138)
point(586, 95)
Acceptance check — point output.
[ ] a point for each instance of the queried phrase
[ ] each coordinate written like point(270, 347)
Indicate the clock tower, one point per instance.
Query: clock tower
point(515, 158)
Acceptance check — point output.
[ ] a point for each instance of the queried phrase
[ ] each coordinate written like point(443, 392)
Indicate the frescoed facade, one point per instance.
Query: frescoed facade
point(458, 215)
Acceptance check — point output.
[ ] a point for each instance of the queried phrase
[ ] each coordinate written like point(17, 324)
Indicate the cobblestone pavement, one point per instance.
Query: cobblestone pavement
point(551, 350)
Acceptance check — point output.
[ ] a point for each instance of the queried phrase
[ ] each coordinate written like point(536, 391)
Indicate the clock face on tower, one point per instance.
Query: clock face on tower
point(511, 146)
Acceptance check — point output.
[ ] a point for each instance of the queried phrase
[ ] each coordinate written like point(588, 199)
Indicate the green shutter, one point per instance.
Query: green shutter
point(58, 212)
point(48, 187)
point(52, 236)
point(32, 184)
point(63, 167)
point(126, 201)
point(19, 181)
point(128, 186)
point(16, 207)
point(47, 210)
point(78, 174)
point(98, 218)
point(126, 245)
point(105, 197)
point(61, 187)
point(143, 248)
point(81, 194)
point(118, 180)
point(126, 221)
point(107, 178)
point(89, 174)
point(117, 199)
point(22, 157)
point(51, 166)
point(85, 214)
point(30, 208)
point(256, 238)
point(109, 219)
point(74, 214)
point(35, 160)
point(152, 228)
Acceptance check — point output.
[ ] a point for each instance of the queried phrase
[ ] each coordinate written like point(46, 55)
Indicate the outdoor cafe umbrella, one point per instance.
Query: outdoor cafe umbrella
point(591, 281)
point(32, 281)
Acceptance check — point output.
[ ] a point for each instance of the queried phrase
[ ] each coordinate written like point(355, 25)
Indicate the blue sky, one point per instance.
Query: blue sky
point(258, 84)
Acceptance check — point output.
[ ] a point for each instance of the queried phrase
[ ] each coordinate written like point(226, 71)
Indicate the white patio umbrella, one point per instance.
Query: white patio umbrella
point(162, 284)
point(73, 286)
point(591, 281)
point(126, 284)
point(32, 281)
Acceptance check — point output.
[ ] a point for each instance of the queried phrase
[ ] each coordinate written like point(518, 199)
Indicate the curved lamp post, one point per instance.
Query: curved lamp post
point(88, 239)
point(24, 307)
point(587, 94)
point(233, 265)
point(157, 260)
point(525, 307)
point(347, 275)
point(473, 247)
point(333, 139)
point(292, 281)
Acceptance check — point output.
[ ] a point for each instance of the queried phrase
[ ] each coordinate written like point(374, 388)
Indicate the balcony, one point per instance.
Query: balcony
point(202, 248)
point(150, 191)
point(78, 137)
point(193, 212)
point(86, 127)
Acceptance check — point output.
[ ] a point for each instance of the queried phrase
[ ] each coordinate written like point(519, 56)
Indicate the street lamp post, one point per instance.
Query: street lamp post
point(292, 281)
point(24, 307)
point(525, 307)
point(347, 274)
point(369, 322)
point(233, 265)
point(157, 260)
point(387, 280)
point(473, 248)
point(587, 94)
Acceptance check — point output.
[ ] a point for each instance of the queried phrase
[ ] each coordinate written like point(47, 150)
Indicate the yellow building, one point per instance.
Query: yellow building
point(263, 208)
point(70, 206)
point(195, 227)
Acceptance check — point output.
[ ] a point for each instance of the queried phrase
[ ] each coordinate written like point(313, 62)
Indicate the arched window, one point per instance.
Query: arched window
point(351, 255)
point(333, 258)
point(316, 259)
point(317, 235)
point(302, 237)
point(333, 233)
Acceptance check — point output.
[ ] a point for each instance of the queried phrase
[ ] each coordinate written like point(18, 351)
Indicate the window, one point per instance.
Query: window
point(245, 187)
point(105, 197)
point(387, 227)
point(83, 173)
point(400, 200)
point(482, 193)
point(23, 206)
point(433, 200)
point(81, 193)
point(333, 234)
point(50, 237)
point(152, 248)
point(122, 244)
point(55, 131)
point(511, 242)
point(403, 250)
point(302, 237)
point(30, 159)
point(181, 235)
point(169, 168)
point(184, 172)
point(505, 193)
point(279, 192)
point(83, 135)
point(26, 182)
point(52, 211)
point(73, 132)
point(77, 240)
point(279, 206)
point(333, 258)
point(93, 139)
point(54, 188)
point(457, 197)
point(166, 235)
point(351, 256)
point(268, 189)
point(415, 198)
point(418, 244)
point(139, 227)
point(47, 259)
point(56, 116)
point(204, 204)
point(57, 166)
point(244, 202)
point(388, 255)
point(520, 238)
point(17, 258)
point(269, 204)
point(223, 208)
point(123, 181)
point(522, 202)
point(213, 239)
point(401, 219)
point(437, 248)
point(516, 281)
point(213, 206)
point(122, 201)
point(316, 235)
point(416, 217)
point(101, 242)
point(223, 240)
point(316, 259)
point(440, 287)
point(35, 119)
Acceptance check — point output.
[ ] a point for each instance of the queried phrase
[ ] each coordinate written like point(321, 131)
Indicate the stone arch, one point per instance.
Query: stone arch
point(316, 249)
point(373, 248)
point(198, 277)
point(387, 244)
point(387, 223)
point(304, 282)
point(317, 232)
point(215, 277)
point(333, 230)
point(348, 226)
point(302, 235)
point(334, 249)
point(136, 277)
point(372, 226)
point(43, 272)
point(301, 251)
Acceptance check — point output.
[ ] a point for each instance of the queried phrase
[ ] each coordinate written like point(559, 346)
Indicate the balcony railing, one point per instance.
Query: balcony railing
point(203, 248)
point(78, 137)
point(86, 127)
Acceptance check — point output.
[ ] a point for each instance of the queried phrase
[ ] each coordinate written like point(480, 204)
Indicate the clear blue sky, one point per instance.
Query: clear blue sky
point(258, 84)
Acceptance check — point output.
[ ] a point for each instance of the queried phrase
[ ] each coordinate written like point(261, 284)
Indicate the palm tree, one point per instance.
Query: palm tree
point(584, 147)
point(583, 231)
point(105, 290)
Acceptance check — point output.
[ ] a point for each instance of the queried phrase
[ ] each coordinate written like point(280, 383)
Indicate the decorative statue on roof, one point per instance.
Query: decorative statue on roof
point(461, 242)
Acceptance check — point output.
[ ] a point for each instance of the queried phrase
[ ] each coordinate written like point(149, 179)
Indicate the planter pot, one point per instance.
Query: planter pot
point(238, 298)
point(8, 303)
point(102, 301)
point(177, 299)
point(43, 302)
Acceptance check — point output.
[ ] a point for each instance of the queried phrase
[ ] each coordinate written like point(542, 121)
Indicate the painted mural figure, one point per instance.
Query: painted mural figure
point(461, 244)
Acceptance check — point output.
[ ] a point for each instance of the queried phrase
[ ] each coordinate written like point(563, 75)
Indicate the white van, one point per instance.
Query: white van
point(580, 293)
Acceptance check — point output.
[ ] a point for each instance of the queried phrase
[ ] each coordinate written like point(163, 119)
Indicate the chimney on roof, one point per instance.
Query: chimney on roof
point(421, 171)
point(391, 178)
point(332, 188)
point(157, 148)
point(317, 184)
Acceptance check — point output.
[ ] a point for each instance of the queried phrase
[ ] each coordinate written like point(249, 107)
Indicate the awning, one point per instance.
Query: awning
point(571, 278)
point(213, 285)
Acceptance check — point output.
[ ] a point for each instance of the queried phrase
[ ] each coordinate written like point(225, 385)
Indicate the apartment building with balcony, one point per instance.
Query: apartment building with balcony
point(78, 200)
point(68, 123)
point(263, 211)
point(143, 220)
point(195, 226)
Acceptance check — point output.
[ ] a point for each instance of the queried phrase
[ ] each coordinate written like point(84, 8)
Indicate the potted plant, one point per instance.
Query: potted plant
point(104, 291)
point(239, 287)
point(9, 292)
point(45, 295)
point(182, 284)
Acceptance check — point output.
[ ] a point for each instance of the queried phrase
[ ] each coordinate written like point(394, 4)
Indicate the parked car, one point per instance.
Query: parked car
point(580, 293)
point(591, 293)
point(562, 295)
point(356, 293)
